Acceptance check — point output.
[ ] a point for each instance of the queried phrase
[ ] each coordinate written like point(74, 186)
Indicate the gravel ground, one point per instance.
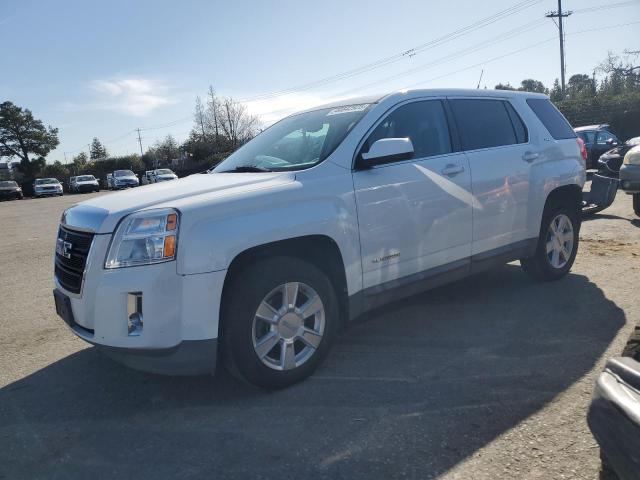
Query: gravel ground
point(486, 378)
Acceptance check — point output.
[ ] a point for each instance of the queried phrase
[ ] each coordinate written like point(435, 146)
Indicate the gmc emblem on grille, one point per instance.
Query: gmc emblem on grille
point(64, 248)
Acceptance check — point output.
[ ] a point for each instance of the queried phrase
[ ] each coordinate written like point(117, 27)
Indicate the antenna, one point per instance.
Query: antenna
point(480, 79)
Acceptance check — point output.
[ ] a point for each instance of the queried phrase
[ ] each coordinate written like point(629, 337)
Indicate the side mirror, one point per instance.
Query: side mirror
point(612, 143)
point(387, 150)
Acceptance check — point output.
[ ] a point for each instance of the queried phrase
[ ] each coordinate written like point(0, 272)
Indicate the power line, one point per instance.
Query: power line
point(605, 7)
point(400, 55)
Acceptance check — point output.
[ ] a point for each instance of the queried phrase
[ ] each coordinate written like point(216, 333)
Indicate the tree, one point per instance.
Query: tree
point(531, 85)
point(97, 150)
point(556, 91)
point(22, 135)
point(237, 124)
point(580, 85)
point(504, 86)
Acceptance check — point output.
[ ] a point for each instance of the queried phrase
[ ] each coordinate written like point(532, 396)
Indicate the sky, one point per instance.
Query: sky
point(104, 69)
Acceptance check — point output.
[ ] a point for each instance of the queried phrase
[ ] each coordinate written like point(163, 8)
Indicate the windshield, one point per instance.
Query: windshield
point(46, 181)
point(164, 171)
point(297, 142)
point(85, 178)
point(123, 173)
point(8, 184)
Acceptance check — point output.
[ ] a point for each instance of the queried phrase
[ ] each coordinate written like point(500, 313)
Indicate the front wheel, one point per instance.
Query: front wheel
point(636, 203)
point(557, 244)
point(280, 316)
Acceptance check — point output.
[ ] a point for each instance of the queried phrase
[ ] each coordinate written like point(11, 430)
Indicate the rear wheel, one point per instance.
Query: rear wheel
point(280, 317)
point(557, 244)
point(636, 203)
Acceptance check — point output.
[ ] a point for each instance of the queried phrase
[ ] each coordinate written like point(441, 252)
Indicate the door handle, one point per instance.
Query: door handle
point(529, 156)
point(452, 169)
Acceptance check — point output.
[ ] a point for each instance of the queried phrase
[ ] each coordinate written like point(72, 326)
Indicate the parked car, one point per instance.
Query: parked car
point(630, 176)
point(323, 216)
point(614, 413)
point(597, 139)
point(10, 190)
point(122, 179)
point(43, 187)
point(84, 183)
point(610, 162)
point(158, 175)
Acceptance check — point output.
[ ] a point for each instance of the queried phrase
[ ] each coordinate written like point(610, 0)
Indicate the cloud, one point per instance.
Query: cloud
point(132, 96)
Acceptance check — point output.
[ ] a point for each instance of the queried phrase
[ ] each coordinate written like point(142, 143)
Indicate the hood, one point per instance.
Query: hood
point(11, 189)
point(102, 214)
point(83, 182)
point(167, 176)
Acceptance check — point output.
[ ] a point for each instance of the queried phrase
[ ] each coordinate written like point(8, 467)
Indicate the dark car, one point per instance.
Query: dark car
point(614, 413)
point(9, 190)
point(597, 139)
point(610, 162)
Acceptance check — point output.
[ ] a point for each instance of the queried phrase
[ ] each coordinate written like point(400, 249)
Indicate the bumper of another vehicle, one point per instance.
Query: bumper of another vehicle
point(630, 178)
point(89, 187)
point(614, 416)
point(179, 314)
point(10, 194)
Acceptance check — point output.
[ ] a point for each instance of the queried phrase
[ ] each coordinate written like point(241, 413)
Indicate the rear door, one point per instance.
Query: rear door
point(496, 143)
point(414, 215)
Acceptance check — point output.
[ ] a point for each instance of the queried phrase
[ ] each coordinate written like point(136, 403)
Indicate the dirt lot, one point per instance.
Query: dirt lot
point(486, 378)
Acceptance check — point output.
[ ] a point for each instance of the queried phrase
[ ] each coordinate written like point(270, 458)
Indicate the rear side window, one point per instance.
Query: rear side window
point(522, 136)
point(551, 118)
point(424, 122)
point(483, 123)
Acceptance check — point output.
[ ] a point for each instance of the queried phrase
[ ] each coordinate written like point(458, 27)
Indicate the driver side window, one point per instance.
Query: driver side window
point(423, 122)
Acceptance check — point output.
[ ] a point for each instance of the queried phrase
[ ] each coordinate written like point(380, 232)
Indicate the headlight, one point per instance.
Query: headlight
point(144, 238)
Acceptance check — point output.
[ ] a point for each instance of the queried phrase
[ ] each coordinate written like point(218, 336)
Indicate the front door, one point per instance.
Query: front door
point(414, 215)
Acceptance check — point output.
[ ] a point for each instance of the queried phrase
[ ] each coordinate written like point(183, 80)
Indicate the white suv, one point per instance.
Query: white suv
point(322, 217)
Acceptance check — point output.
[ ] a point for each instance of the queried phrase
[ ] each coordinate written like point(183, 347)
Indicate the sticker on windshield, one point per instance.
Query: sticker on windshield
point(348, 109)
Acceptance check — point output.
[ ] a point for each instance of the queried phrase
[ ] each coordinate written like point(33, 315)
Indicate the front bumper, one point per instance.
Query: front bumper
point(630, 178)
point(10, 194)
point(88, 187)
point(45, 193)
point(614, 416)
point(180, 314)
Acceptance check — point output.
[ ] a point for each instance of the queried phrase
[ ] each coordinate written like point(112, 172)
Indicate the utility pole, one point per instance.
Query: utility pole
point(139, 141)
point(560, 15)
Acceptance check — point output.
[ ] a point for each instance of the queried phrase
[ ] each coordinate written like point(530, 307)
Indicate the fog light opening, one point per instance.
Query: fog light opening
point(134, 314)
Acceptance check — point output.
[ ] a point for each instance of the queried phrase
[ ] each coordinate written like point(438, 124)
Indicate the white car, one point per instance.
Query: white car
point(158, 175)
point(322, 217)
point(122, 179)
point(84, 183)
point(43, 187)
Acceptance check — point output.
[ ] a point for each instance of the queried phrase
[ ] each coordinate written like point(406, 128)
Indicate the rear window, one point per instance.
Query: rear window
point(484, 123)
point(551, 118)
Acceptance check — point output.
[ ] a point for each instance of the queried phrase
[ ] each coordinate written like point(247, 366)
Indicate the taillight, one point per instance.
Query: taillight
point(583, 149)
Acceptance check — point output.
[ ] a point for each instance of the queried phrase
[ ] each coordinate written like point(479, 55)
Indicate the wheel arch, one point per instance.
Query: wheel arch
point(320, 250)
point(565, 195)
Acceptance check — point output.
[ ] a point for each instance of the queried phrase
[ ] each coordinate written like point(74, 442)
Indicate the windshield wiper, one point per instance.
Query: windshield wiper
point(246, 169)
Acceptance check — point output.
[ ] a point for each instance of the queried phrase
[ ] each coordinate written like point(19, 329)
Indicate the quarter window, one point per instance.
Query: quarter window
point(483, 123)
point(551, 118)
point(424, 123)
point(522, 136)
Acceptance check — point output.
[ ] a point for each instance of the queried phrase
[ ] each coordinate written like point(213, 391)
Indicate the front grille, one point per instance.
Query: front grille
point(69, 269)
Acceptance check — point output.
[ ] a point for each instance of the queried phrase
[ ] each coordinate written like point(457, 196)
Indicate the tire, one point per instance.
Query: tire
point(244, 331)
point(541, 266)
point(636, 203)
